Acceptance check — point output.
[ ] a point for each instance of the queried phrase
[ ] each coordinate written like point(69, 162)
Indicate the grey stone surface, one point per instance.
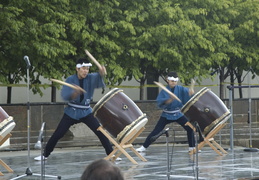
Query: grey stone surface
point(69, 163)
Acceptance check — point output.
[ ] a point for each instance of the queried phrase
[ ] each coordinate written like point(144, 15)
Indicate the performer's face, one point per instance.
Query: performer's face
point(172, 83)
point(82, 72)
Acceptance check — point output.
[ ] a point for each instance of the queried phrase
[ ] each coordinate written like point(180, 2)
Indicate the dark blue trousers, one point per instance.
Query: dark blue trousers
point(66, 122)
point(162, 122)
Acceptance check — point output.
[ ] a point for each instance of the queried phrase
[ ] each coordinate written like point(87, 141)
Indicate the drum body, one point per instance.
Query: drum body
point(6, 123)
point(206, 109)
point(118, 114)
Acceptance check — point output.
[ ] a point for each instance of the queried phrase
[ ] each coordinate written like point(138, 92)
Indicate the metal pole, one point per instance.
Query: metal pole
point(197, 151)
point(220, 135)
point(231, 117)
point(249, 110)
point(28, 171)
point(167, 149)
point(250, 149)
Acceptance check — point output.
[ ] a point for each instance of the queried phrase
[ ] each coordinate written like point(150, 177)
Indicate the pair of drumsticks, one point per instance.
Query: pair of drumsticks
point(171, 93)
point(99, 66)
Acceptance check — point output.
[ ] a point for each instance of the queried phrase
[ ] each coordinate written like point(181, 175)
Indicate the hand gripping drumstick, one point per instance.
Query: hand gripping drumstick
point(69, 85)
point(169, 92)
point(94, 60)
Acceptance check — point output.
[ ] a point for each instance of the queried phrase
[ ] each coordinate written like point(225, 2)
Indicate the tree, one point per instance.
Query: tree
point(246, 31)
point(229, 26)
point(36, 29)
point(141, 39)
point(162, 38)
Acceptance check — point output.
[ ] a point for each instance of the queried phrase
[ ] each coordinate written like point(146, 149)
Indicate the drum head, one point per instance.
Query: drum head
point(7, 126)
point(214, 125)
point(134, 126)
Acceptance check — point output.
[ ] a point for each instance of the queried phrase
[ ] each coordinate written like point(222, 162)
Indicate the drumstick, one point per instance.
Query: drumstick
point(169, 92)
point(192, 84)
point(69, 85)
point(94, 60)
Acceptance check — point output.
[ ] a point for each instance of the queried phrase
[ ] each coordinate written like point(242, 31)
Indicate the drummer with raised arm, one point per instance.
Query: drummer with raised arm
point(171, 103)
point(78, 109)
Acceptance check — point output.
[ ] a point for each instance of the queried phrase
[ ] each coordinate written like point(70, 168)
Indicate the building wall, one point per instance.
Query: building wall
point(131, 88)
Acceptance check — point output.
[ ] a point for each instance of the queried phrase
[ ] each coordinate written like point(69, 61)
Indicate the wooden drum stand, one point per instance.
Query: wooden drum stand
point(209, 139)
point(126, 142)
point(2, 140)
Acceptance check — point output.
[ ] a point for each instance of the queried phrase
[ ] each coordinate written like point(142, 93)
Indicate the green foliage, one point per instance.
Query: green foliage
point(134, 39)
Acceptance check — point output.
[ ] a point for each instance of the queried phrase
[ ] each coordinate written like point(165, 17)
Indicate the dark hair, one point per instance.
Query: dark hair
point(174, 74)
point(82, 60)
point(102, 170)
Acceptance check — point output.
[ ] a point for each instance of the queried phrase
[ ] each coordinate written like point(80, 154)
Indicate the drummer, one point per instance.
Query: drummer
point(171, 110)
point(78, 109)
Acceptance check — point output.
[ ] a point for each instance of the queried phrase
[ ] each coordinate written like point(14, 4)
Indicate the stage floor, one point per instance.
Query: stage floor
point(207, 165)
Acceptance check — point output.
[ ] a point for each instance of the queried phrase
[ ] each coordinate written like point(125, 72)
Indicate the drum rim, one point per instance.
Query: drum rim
point(7, 129)
point(215, 123)
point(104, 99)
point(194, 99)
point(8, 121)
point(129, 127)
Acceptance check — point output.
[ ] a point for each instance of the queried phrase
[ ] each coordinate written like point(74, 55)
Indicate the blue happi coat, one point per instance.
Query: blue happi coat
point(92, 81)
point(172, 111)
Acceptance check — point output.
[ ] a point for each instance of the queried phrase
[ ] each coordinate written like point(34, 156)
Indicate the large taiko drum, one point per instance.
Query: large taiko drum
point(119, 115)
point(6, 123)
point(207, 110)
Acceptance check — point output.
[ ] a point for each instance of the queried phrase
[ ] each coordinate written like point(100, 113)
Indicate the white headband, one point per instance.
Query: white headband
point(83, 65)
point(173, 78)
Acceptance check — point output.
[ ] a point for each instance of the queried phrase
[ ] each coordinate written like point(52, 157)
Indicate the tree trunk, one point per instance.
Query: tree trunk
point(152, 92)
point(240, 84)
point(141, 90)
point(53, 93)
point(221, 84)
point(232, 82)
point(9, 95)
